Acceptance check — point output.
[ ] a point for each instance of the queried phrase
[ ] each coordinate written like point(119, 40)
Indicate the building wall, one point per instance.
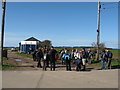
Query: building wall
point(26, 46)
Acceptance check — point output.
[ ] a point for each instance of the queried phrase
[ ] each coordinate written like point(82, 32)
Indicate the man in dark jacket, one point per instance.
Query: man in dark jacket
point(34, 55)
point(89, 55)
point(109, 58)
point(103, 59)
point(39, 55)
point(84, 58)
point(52, 54)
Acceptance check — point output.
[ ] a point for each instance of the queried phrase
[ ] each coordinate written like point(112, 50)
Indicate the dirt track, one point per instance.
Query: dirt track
point(29, 64)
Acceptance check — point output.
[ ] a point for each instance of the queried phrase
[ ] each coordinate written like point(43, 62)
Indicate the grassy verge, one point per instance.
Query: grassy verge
point(24, 55)
point(115, 51)
point(8, 66)
point(115, 62)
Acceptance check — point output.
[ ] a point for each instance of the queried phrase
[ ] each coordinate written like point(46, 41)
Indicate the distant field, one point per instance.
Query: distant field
point(9, 48)
point(115, 51)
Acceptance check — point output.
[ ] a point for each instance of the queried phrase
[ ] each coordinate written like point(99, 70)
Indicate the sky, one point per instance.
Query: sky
point(64, 23)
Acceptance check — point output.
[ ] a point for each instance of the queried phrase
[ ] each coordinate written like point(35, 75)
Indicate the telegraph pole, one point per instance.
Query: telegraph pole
point(98, 31)
point(2, 30)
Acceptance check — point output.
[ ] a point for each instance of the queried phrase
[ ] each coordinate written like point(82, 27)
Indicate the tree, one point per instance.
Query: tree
point(46, 43)
point(101, 46)
point(94, 45)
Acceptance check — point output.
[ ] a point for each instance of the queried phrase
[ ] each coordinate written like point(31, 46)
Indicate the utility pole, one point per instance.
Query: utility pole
point(2, 30)
point(98, 31)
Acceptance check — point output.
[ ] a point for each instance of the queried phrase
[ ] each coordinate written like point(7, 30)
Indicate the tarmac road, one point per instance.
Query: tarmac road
point(60, 79)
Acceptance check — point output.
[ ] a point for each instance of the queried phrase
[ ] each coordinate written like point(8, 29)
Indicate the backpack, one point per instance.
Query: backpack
point(84, 54)
point(66, 56)
point(90, 54)
point(39, 54)
point(56, 56)
point(110, 54)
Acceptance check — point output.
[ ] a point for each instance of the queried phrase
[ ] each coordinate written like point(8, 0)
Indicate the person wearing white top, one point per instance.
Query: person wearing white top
point(77, 60)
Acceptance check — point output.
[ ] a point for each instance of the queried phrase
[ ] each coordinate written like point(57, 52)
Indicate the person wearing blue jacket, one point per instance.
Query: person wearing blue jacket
point(66, 56)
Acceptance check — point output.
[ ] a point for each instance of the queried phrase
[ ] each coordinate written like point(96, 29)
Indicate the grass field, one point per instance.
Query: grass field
point(115, 51)
point(114, 62)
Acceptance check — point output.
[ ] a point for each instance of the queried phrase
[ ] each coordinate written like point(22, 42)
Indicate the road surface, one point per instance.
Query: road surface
point(60, 79)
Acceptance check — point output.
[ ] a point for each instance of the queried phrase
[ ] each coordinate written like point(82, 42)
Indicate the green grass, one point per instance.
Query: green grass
point(114, 62)
point(25, 55)
point(115, 51)
point(8, 66)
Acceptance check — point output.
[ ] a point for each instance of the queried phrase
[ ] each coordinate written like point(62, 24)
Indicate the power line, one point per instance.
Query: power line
point(108, 6)
point(110, 3)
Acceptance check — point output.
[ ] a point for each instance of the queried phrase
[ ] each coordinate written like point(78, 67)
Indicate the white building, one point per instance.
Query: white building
point(30, 44)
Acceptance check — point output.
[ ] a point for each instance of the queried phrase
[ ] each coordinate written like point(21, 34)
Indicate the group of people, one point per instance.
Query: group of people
point(77, 57)
point(48, 55)
point(106, 57)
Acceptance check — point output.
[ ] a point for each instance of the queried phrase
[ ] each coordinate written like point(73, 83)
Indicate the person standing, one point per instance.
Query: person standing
point(77, 60)
point(61, 54)
point(34, 55)
point(84, 58)
point(103, 58)
point(48, 57)
point(89, 56)
point(39, 56)
point(66, 57)
point(52, 58)
point(72, 56)
point(45, 60)
point(109, 58)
